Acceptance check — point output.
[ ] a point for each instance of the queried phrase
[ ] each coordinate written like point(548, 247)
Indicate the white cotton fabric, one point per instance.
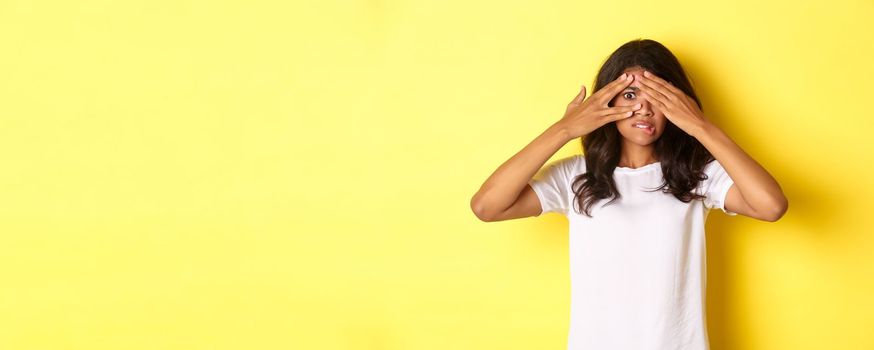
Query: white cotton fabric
point(637, 267)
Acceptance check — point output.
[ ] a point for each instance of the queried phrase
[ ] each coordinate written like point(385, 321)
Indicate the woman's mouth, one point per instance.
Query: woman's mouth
point(644, 126)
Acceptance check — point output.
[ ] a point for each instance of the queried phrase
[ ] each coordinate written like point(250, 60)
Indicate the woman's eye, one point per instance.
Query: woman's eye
point(628, 93)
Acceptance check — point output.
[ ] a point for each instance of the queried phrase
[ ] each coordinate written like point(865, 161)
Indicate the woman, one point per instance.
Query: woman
point(636, 201)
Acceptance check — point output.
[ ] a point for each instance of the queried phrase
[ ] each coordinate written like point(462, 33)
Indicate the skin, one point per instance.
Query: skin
point(506, 194)
point(755, 193)
point(637, 145)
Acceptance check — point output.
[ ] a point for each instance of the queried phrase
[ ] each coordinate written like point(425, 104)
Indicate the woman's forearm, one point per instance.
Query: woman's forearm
point(757, 187)
point(503, 187)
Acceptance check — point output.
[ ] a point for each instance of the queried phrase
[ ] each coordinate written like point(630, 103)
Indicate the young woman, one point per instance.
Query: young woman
point(636, 200)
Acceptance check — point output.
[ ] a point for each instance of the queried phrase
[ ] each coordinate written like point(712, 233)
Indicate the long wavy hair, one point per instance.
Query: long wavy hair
point(682, 157)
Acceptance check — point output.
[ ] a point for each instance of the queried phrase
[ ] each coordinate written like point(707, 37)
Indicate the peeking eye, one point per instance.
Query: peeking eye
point(627, 93)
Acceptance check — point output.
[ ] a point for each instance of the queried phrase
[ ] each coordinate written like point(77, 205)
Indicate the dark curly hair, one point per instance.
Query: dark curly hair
point(682, 157)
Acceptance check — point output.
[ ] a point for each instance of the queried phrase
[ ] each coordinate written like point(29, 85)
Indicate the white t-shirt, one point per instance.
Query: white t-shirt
point(637, 267)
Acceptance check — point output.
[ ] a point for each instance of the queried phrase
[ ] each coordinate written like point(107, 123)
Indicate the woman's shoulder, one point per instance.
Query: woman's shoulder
point(573, 164)
point(580, 163)
point(712, 168)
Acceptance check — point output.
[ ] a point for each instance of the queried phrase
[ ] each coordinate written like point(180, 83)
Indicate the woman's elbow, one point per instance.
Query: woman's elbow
point(778, 210)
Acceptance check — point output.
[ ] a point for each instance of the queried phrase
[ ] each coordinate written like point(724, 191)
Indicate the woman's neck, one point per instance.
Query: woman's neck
point(636, 156)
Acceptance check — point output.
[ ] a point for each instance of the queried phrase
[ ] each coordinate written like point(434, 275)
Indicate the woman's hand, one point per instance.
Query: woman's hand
point(583, 117)
point(678, 107)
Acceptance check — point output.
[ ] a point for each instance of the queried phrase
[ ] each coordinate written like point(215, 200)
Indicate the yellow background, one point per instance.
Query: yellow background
point(274, 175)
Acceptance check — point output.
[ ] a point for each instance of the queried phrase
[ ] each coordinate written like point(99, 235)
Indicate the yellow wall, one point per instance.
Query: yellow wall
point(265, 175)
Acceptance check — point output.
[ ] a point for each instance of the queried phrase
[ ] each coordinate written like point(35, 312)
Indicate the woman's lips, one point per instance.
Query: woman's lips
point(644, 126)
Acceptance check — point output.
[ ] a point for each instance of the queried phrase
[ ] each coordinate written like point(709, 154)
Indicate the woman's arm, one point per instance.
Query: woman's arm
point(502, 189)
point(755, 192)
point(506, 193)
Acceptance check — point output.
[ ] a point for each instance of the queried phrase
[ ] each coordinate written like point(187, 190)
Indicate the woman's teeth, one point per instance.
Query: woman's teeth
point(645, 127)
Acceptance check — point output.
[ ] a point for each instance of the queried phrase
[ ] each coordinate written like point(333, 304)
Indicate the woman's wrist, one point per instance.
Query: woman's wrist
point(559, 133)
point(703, 129)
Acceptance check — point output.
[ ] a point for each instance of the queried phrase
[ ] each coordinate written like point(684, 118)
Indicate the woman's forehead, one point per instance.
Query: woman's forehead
point(634, 71)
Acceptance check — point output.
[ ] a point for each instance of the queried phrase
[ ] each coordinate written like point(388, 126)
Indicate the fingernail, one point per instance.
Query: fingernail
point(624, 75)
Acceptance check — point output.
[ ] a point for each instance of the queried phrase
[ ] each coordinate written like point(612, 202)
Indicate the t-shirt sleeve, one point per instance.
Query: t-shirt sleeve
point(716, 186)
point(552, 185)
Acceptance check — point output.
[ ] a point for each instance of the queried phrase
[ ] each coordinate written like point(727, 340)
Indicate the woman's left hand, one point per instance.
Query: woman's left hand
point(678, 107)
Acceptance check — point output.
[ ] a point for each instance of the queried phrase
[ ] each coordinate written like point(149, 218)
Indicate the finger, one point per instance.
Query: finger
point(580, 96)
point(654, 80)
point(610, 90)
point(655, 96)
point(657, 102)
point(620, 109)
point(618, 116)
point(656, 90)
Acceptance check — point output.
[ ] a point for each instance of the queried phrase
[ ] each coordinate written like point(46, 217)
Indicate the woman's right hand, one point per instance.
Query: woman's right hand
point(583, 117)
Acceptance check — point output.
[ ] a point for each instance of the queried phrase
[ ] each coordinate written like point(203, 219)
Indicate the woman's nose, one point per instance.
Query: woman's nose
point(645, 108)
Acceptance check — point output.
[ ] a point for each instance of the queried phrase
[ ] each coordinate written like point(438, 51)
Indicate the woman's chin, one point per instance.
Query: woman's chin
point(642, 140)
